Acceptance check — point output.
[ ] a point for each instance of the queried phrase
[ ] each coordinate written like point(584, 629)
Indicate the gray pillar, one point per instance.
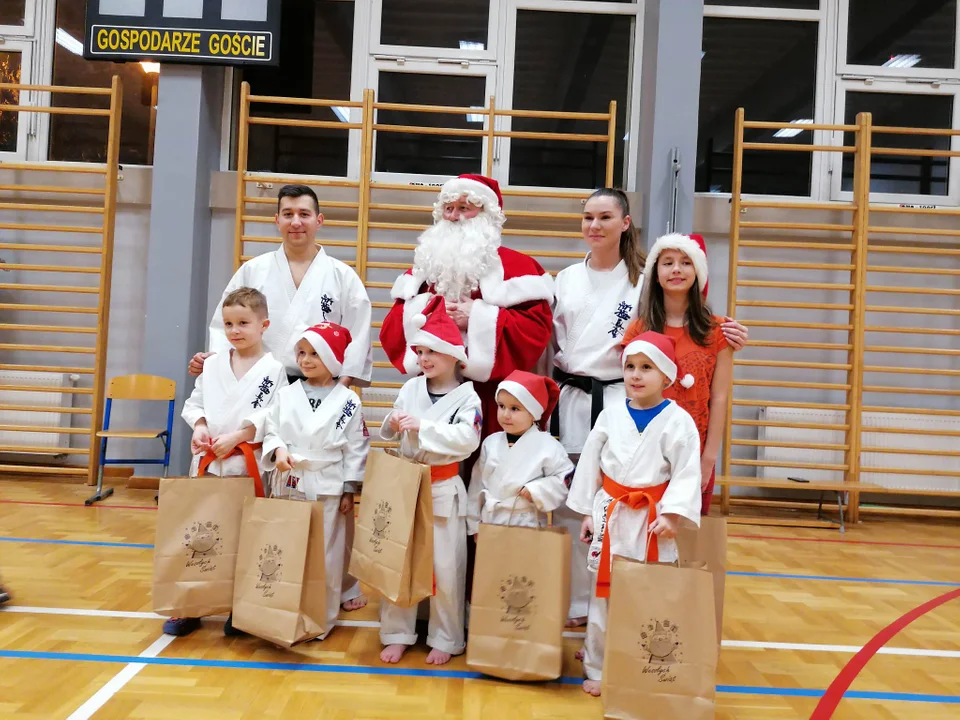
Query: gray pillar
point(670, 94)
point(186, 152)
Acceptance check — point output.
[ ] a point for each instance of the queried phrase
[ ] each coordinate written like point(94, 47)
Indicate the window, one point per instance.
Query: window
point(768, 67)
point(902, 34)
point(13, 12)
point(315, 62)
point(462, 25)
point(75, 138)
point(9, 121)
point(897, 174)
point(790, 4)
point(416, 154)
point(571, 62)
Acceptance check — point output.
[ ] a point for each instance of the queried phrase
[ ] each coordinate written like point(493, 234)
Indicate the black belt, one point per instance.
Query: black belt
point(587, 384)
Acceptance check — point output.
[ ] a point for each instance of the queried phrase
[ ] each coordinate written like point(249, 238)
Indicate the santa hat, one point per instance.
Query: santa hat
point(479, 189)
point(434, 329)
point(692, 246)
point(662, 351)
point(330, 341)
point(537, 394)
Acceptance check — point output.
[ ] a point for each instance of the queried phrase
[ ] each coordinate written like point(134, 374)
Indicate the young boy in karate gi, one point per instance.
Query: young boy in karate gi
point(437, 418)
point(315, 445)
point(234, 388)
point(644, 451)
point(522, 470)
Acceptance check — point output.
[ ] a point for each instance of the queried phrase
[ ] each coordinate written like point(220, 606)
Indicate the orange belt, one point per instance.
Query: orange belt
point(635, 498)
point(246, 449)
point(444, 472)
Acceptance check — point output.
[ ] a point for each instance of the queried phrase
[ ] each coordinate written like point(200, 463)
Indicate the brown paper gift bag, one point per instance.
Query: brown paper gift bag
point(195, 550)
point(661, 654)
point(280, 591)
point(521, 594)
point(708, 545)
point(393, 542)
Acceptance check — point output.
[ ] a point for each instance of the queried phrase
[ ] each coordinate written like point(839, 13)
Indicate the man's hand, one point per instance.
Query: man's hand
point(459, 312)
point(196, 362)
point(409, 423)
point(200, 442)
point(346, 503)
point(586, 529)
point(283, 460)
point(735, 333)
point(345, 380)
point(707, 465)
point(225, 444)
point(665, 526)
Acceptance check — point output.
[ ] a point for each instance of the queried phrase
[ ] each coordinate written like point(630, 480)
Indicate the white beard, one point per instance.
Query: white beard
point(453, 256)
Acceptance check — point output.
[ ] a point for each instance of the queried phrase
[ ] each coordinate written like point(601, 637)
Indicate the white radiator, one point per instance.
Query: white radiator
point(780, 459)
point(52, 399)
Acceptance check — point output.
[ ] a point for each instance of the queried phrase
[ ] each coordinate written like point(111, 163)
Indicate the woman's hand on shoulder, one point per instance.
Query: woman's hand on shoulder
point(735, 333)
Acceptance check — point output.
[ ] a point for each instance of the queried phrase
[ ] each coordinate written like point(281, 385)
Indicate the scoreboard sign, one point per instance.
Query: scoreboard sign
point(218, 32)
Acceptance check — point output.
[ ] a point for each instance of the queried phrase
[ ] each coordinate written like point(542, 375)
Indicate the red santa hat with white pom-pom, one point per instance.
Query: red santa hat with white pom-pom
point(330, 341)
point(693, 246)
point(662, 351)
point(434, 329)
point(537, 394)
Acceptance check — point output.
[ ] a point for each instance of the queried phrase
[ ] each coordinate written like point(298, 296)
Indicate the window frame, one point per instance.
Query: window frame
point(489, 53)
point(826, 48)
point(875, 71)
point(27, 123)
point(32, 9)
point(898, 87)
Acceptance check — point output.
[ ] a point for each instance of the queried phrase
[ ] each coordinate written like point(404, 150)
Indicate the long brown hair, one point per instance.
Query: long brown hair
point(698, 319)
point(630, 249)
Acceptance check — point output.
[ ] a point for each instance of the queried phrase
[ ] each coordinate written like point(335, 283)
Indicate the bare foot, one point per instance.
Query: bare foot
point(592, 687)
point(438, 657)
point(576, 622)
point(392, 653)
point(354, 603)
point(579, 654)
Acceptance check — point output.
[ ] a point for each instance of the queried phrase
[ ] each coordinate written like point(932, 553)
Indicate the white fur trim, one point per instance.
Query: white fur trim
point(418, 321)
point(411, 365)
point(507, 293)
point(481, 340)
point(406, 287)
point(428, 340)
point(323, 350)
point(412, 307)
point(525, 397)
point(688, 381)
point(457, 187)
point(667, 366)
point(685, 244)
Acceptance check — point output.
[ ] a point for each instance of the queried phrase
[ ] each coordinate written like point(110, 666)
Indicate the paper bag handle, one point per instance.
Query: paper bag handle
point(536, 512)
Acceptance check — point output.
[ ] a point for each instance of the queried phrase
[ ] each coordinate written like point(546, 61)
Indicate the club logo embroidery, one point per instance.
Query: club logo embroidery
point(517, 601)
point(620, 315)
point(202, 543)
point(661, 640)
point(326, 305)
point(264, 390)
point(270, 565)
point(381, 525)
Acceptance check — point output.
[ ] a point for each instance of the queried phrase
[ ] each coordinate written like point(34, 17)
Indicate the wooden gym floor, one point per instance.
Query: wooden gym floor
point(79, 640)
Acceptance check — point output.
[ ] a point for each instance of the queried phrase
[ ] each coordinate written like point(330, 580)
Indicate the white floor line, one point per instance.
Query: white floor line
point(116, 683)
point(733, 644)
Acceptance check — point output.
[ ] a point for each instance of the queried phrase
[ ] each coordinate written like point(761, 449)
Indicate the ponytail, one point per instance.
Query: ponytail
point(631, 251)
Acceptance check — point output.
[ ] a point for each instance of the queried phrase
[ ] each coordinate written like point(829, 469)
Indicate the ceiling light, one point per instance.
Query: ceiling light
point(470, 45)
point(342, 113)
point(902, 61)
point(793, 132)
point(476, 117)
point(69, 42)
point(150, 68)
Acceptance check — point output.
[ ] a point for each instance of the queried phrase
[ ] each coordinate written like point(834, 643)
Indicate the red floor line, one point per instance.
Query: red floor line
point(834, 694)
point(95, 505)
point(845, 542)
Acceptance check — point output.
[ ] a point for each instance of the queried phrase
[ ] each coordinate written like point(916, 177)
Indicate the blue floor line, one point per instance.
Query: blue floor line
point(86, 543)
point(448, 674)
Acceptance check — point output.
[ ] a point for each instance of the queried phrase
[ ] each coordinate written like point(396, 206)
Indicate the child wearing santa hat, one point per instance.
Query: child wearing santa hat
point(316, 443)
point(674, 303)
point(522, 470)
point(638, 476)
point(437, 418)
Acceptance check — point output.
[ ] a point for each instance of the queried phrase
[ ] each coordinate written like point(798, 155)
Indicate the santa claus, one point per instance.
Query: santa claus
point(499, 298)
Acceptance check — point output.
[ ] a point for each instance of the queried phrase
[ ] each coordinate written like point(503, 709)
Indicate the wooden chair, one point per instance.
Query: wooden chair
point(135, 387)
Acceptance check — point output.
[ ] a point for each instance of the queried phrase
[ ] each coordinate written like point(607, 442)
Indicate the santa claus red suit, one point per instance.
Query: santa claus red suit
point(501, 297)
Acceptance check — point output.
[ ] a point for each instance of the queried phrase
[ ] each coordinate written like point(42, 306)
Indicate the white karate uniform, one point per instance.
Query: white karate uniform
point(668, 450)
point(227, 404)
point(536, 462)
point(449, 433)
point(328, 449)
point(330, 291)
point(591, 313)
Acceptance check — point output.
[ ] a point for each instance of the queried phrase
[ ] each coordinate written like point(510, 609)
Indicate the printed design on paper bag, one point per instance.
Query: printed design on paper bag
point(516, 599)
point(381, 523)
point(270, 565)
point(202, 543)
point(661, 640)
